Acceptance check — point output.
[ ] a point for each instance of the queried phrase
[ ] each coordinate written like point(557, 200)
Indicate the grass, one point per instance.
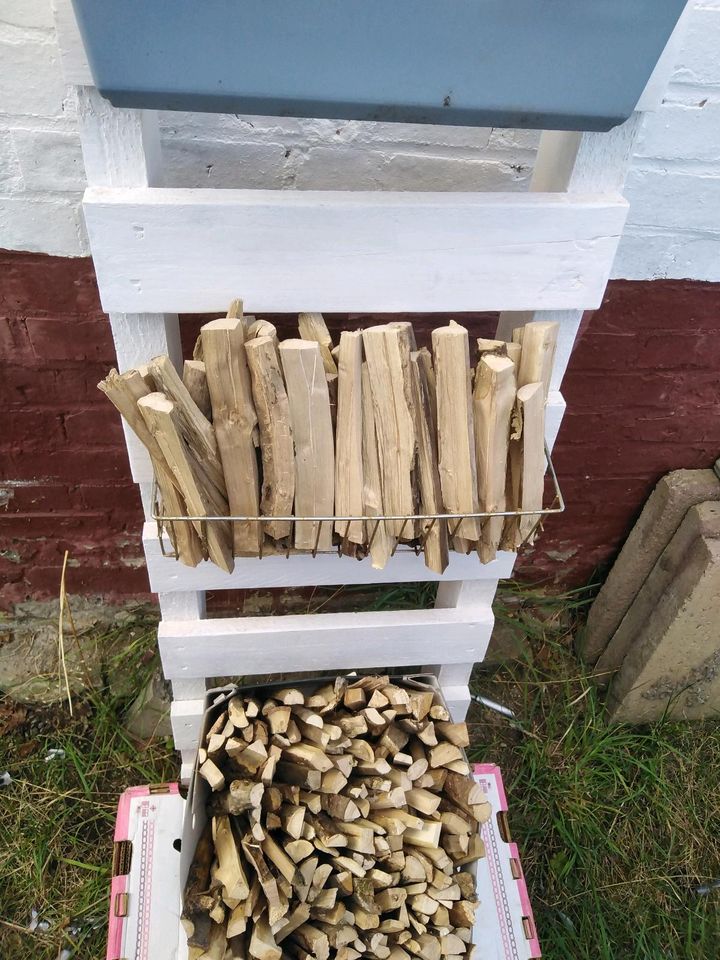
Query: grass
point(57, 817)
point(617, 826)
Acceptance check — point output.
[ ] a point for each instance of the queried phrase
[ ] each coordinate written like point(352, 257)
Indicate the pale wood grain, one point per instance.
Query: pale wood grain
point(234, 420)
point(195, 380)
point(387, 352)
point(381, 543)
point(348, 438)
point(493, 399)
point(276, 442)
point(456, 436)
point(313, 438)
point(163, 423)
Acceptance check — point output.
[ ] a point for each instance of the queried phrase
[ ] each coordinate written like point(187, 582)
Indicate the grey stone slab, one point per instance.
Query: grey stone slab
point(663, 513)
point(672, 666)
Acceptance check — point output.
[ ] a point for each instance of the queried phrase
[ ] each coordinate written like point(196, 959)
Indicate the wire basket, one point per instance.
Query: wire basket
point(166, 522)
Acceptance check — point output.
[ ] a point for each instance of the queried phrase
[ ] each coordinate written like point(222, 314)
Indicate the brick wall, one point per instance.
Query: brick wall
point(641, 391)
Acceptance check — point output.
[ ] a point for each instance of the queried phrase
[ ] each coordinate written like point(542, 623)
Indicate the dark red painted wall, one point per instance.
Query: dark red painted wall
point(643, 397)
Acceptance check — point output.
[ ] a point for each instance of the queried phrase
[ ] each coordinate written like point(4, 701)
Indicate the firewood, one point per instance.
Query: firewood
point(195, 380)
point(462, 913)
point(456, 435)
point(368, 852)
point(312, 326)
point(379, 539)
point(299, 849)
point(230, 871)
point(276, 441)
point(124, 392)
point(456, 733)
point(348, 440)
point(242, 795)
point(497, 348)
point(493, 400)
point(160, 415)
point(539, 340)
point(234, 420)
point(196, 430)
point(262, 943)
point(254, 855)
point(434, 532)
point(282, 861)
point(388, 364)
point(422, 800)
point(427, 836)
point(285, 926)
point(308, 755)
point(195, 919)
point(313, 437)
point(210, 772)
point(290, 696)
point(443, 754)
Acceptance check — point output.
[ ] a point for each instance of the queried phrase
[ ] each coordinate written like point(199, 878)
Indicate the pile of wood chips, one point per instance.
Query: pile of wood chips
point(372, 428)
point(340, 825)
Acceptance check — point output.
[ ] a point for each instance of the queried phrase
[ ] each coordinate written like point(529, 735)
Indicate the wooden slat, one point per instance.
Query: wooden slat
point(167, 575)
point(329, 641)
point(192, 250)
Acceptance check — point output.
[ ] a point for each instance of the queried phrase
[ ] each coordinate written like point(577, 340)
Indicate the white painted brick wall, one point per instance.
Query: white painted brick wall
point(673, 187)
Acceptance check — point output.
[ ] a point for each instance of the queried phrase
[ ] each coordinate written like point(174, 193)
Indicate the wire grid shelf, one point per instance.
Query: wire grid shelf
point(165, 523)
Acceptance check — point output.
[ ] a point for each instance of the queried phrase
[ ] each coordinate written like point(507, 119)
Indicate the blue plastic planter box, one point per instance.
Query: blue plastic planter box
point(553, 64)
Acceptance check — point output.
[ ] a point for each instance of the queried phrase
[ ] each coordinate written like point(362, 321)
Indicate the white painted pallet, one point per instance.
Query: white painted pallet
point(157, 252)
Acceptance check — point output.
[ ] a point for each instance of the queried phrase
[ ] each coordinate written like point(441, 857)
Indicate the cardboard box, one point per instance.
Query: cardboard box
point(162, 830)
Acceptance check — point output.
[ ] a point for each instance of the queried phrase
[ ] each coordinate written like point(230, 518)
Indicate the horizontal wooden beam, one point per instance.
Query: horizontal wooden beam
point(301, 570)
point(166, 250)
point(250, 646)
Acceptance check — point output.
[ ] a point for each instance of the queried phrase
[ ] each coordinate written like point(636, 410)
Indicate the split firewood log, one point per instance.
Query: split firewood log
point(354, 839)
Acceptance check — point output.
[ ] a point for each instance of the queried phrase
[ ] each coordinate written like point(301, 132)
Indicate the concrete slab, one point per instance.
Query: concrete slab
point(672, 666)
point(663, 513)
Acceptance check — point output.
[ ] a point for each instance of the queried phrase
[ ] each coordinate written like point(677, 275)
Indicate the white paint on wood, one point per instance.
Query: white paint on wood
point(166, 250)
point(121, 148)
point(167, 575)
point(332, 641)
point(185, 717)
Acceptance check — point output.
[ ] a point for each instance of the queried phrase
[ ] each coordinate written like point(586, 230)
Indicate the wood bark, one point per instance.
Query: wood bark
point(313, 438)
point(434, 532)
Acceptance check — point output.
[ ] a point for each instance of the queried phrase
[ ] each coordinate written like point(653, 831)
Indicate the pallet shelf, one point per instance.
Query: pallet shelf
point(542, 255)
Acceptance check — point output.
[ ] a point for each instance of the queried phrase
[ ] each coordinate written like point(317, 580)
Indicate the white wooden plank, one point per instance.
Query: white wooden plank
point(457, 699)
point(331, 641)
point(185, 717)
point(554, 413)
point(76, 68)
point(194, 250)
point(168, 575)
point(121, 148)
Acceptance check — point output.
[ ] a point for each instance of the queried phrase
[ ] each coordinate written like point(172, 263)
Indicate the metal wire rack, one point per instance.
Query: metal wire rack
point(166, 522)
